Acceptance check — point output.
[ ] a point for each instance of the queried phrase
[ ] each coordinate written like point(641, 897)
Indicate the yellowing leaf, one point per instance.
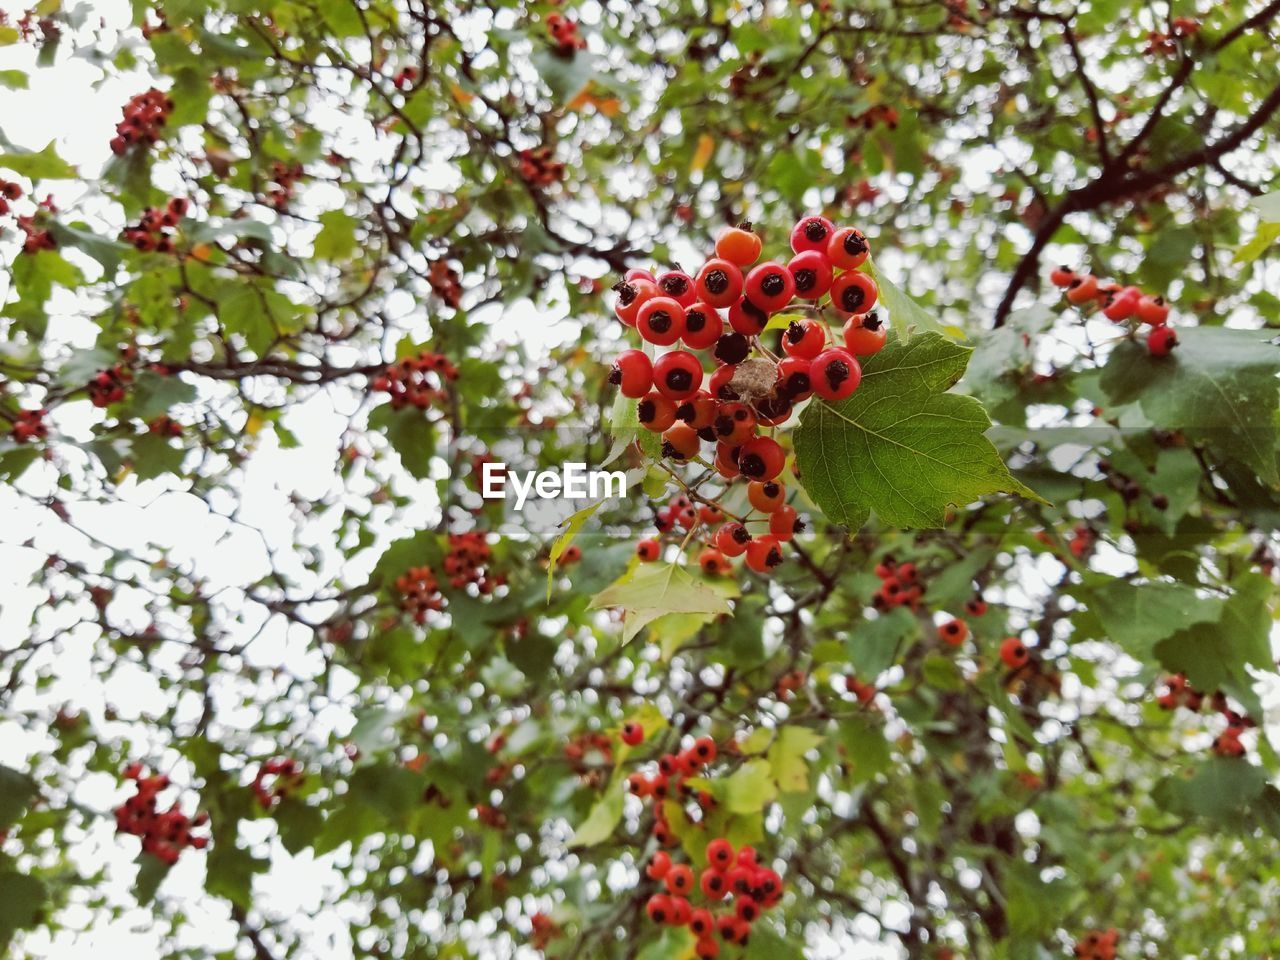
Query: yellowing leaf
point(658, 591)
point(572, 525)
point(751, 788)
point(461, 95)
point(702, 154)
point(786, 758)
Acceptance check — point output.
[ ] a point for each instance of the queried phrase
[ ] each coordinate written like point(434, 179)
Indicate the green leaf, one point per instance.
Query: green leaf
point(786, 758)
point(151, 873)
point(337, 237)
point(604, 816)
point(750, 788)
point(410, 434)
point(907, 317)
point(572, 524)
point(22, 904)
point(901, 445)
point(16, 792)
point(767, 944)
point(1218, 787)
point(871, 645)
point(14, 79)
point(1218, 387)
point(657, 590)
point(38, 165)
point(1139, 615)
point(625, 428)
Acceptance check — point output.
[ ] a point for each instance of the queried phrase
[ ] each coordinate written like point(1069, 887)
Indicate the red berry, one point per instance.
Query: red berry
point(681, 442)
point(656, 412)
point(953, 632)
point(769, 286)
point(632, 373)
point(853, 292)
point(658, 866)
point(746, 908)
point(679, 879)
point(784, 524)
point(1062, 276)
point(677, 374)
point(720, 853)
point(763, 554)
point(714, 563)
point(713, 883)
point(704, 750)
point(1153, 310)
point(746, 318)
point(1082, 289)
point(793, 379)
point(632, 295)
point(812, 233)
point(1161, 341)
point(761, 458)
point(847, 248)
point(719, 282)
point(835, 374)
point(804, 339)
point(659, 908)
point(732, 539)
point(678, 286)
point(811, 273)
point(706, 948)
point(701, 922)
point(735, 423)
point(865, 336)
point(1014, 654)
point(648, 550)
point(632, 734)
point(702, 326)
point(660, 321)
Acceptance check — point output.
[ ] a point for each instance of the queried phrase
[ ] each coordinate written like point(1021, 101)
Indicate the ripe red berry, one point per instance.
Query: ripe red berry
point(702, 326)
point(639, 785)
point(658, 866)
point(714, 563)
point(678, 286)
point(847, 249)
point(632, 733)
point(811, 273)
point(769, 287)
point(865, 336)
point(1161, 341)
point(853, 292)
point(1152, 310)
point(746, 318)
point(706, 948)
point(659, 908)
point(632, 295)
point(677, 374)
point(704, 750)
point(660, 321)
point(746, 907)
point(632, 373)
point(1062, 276)
point(763, 554)
point(784, 524)
point(835, 374)
point(732, 539)
point(679, 879)
point(680, 441)
point(739, 245)
point(719, 282)
point(648, 550)
point(761, 458)
point(953, 632)
point(812, 233)
point(1121, 306)
point(735, 423)
point(713, 883)
point(804, 339)
point(720, 853)
point(975, 607)
point(1082, 289)
point(656, 412)
point(701, 922)
point(1014, 654)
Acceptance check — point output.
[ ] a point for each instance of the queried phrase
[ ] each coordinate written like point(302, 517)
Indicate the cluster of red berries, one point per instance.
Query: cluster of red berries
point(1180, 28)
point(538, 169)
point(405, 78)
point(36, 238)
point(285, 176)
point(677, 768)
point(165, 833)
point(1120, 305)
point(881, 113)
point(678, 399)
point(275, 780)
point(467, 562)
point(900, 585)
point(1179, 692)
point(729, 874)
point(164, 426)
point(410, 381)
point(1097, 945)
point(564, 34)
point(9, 191)
point(543, 931)
point(419, 592)
point(153, 229)
point(108, 386)
point(445, 282)
point(144, 116)
point(29, 425)
point(579, 750)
